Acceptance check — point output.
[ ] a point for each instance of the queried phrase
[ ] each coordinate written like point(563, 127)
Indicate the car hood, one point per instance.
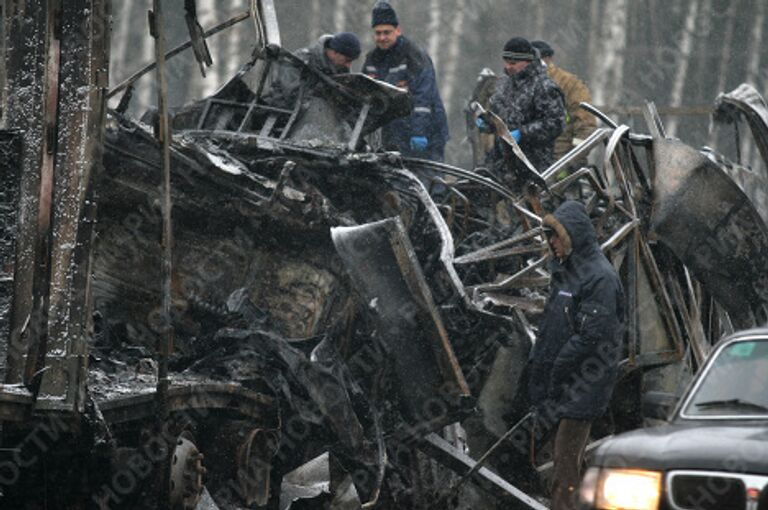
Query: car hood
point(728, 446)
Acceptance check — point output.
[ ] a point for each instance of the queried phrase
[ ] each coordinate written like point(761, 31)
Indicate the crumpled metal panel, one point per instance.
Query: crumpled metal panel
point(747, 101)
point(713, 227)
point(311, 483)
point(385, 271)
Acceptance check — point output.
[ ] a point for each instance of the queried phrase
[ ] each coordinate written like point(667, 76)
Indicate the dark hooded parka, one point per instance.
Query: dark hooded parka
point(574, 362)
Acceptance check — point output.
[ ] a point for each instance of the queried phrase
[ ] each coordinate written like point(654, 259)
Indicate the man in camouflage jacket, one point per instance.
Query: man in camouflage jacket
point(530, 104)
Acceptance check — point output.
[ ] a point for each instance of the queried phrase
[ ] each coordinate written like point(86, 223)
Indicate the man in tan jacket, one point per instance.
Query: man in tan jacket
point(579, 123)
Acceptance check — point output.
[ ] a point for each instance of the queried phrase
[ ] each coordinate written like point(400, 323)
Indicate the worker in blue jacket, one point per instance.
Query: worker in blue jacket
point(398, 61)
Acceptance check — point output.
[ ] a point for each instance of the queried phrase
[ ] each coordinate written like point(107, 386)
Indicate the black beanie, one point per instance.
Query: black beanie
point(518, 48)
point(544, 48)
point(345, 43)
point(384, 14)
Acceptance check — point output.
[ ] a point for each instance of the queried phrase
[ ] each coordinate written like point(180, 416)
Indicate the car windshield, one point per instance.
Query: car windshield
point(735, 384)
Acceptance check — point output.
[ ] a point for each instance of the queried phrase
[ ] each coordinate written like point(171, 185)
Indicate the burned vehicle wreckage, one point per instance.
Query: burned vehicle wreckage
point(321, 332)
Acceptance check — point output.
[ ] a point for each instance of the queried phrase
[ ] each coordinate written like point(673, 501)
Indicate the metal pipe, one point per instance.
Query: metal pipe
point(164, 136)
point(480, 462)
point(166, 336)
point(175, 51)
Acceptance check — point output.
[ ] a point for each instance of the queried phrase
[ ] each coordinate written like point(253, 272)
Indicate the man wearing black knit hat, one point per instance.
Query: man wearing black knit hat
point(530, 104)
point(331, 54)
point(398, 61)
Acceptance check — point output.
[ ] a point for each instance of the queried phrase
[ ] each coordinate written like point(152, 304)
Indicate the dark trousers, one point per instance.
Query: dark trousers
point(570, 441)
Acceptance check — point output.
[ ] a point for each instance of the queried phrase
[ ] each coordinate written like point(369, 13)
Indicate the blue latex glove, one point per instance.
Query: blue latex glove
point(516, 135)
point(483, 126)
point(419, 143)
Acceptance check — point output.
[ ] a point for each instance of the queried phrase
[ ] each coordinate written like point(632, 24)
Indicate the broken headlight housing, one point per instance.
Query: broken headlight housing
point(627, 489)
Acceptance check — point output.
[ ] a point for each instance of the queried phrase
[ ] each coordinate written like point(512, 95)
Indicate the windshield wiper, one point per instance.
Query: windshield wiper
point(734, 402)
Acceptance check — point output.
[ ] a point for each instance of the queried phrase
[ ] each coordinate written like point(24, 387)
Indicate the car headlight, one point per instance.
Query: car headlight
point(625, 489)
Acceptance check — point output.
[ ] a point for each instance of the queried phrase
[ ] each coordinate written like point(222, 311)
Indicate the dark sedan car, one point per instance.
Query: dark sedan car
point(713, 454)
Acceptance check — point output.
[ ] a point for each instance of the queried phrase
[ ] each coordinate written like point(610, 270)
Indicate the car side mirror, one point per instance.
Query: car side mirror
point(658, 405)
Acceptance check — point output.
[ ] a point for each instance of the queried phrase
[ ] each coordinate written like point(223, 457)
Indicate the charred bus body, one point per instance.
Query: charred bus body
point(328, 315)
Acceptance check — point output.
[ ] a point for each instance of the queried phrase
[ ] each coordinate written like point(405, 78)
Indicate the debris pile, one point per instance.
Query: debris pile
point(342, 338)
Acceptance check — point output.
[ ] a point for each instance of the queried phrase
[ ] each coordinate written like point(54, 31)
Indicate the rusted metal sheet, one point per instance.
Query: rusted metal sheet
point(10, 179)
point(747, 101)
point(381, 261)
point(84, 47)
point(707, 220)
point(32, 67)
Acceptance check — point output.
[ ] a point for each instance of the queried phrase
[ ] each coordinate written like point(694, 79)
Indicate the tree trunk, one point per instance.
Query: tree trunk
point(595, 33)
point(540, 19)
point(684, 56)
point(756, 43)
point(725, 60)
point(206, 15)
point(453, 56)
point(340, 15)
point(146, 91)
point(753, 72)
point(609, 68)
point(434, 31)
point(315, 21)
point(234, 36)
point(119, 68)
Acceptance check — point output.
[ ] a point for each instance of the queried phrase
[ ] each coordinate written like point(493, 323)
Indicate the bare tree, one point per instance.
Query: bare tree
point(206, 13)
point(725, 59)
point(540, 19)
point(340, 15)
point(234, 43)
point(595, 32)
point(453, 57)
point(608, 78)
point(753, 69)
point(434, 31)
point(120, 41)
point(756, 43)
point(683, 59)
point(314, 20)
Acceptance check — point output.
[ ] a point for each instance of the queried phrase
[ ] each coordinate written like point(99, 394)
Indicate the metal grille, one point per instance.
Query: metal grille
point(702, 490)
point(694, 492)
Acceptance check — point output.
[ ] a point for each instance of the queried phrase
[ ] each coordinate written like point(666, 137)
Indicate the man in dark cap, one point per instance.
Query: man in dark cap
point(530, 104)
point(579, 123)
point(398, 61)
point(575, 361)
point(331, 54)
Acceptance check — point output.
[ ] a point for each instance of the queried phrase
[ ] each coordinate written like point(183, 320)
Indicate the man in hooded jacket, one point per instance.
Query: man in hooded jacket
point(574, 363)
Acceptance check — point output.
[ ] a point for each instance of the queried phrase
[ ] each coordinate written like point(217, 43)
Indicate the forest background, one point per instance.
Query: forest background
point(678, 53)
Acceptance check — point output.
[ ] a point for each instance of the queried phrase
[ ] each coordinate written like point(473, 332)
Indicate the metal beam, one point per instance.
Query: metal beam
point(32, 67)
point(456, 460)
point(84, 49)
